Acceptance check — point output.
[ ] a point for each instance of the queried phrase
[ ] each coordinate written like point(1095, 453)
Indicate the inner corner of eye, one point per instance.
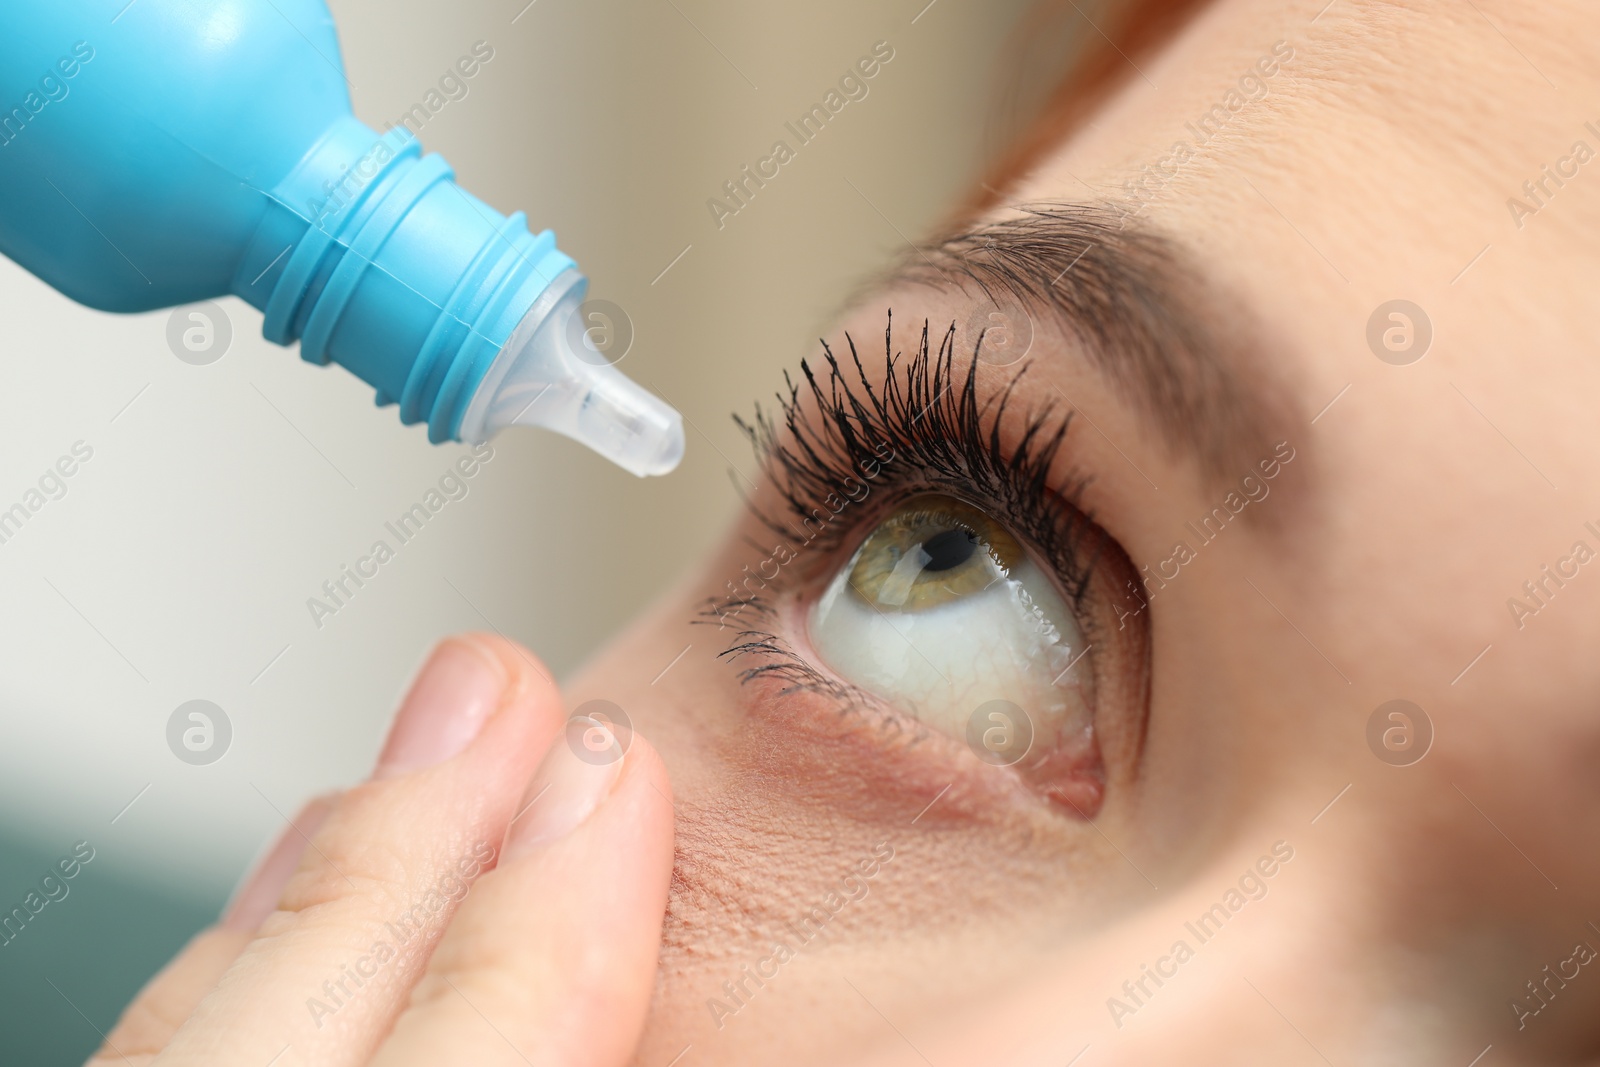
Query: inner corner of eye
point(942, 613)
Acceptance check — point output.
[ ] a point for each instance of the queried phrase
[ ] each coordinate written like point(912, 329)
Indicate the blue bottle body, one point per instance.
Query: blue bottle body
point(183, 150)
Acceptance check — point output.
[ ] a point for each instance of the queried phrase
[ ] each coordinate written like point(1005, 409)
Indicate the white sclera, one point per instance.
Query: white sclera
point(1013, 640)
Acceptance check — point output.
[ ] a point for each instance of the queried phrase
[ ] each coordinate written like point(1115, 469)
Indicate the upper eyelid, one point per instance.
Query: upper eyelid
point(941, 429)
point(843, 426)
point(1146, 320)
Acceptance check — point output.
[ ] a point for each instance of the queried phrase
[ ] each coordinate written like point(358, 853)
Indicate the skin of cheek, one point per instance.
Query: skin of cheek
point(1438, 522)
point(1424, 521)
point(1199, 1011)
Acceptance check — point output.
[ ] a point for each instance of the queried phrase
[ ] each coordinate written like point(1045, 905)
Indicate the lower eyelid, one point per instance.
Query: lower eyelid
point(784, 673)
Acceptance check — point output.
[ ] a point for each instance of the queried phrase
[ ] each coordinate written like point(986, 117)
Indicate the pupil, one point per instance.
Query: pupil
point(949, 548)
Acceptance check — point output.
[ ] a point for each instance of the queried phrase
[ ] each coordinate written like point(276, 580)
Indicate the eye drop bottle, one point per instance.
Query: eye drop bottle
point(162, 152)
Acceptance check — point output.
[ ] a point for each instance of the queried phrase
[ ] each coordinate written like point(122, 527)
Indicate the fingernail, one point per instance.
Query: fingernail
point(575, 778)
point(452, 698)
point(258, 894)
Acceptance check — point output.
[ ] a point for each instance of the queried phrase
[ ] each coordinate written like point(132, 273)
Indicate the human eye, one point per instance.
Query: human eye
point(945, 580)
point(943, 613)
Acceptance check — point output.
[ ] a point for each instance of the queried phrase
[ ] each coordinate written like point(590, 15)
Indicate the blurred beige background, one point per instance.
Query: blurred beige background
point(219, 498)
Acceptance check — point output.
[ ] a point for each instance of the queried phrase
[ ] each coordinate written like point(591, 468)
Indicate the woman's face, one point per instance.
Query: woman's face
point(994, 742)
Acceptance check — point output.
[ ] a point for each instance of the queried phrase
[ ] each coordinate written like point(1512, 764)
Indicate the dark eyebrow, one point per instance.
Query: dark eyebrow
point(1138, 306)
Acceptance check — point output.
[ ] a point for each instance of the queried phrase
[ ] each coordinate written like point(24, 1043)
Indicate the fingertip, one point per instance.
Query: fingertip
point(526, 670)
point(644, 771)
point(533, 709)
point(580, 780)
point(638, 821)
point(467, 681)
point(460, 685)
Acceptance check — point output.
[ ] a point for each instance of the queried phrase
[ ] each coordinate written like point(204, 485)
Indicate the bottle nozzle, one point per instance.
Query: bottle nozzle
point(549, 374)
point(612, 414)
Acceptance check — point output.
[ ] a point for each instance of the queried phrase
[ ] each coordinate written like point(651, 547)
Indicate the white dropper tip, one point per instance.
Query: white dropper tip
point(549, 375)
point(612, 414)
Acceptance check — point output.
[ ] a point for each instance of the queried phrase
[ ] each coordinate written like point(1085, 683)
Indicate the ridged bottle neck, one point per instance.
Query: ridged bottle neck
point(373, 257)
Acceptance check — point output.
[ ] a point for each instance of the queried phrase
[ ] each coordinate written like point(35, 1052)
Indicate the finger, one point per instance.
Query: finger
point(161, 1007)
point(552, 959)
point(331, 967)
point(149, 1022)
point(258, 894)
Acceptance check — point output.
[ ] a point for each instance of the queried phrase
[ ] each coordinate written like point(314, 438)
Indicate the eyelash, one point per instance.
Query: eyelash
point(922, 430)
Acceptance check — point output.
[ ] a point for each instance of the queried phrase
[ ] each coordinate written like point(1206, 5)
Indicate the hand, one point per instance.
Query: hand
point(445, 911)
